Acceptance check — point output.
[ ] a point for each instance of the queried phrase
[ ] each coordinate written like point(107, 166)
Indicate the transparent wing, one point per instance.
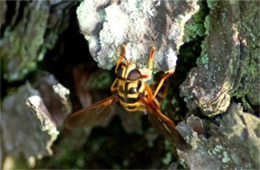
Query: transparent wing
point(95, 114)
point(164, 125)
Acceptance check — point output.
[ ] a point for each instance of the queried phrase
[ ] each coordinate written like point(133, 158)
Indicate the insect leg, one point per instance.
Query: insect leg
point(150, 60)
point(114, 85)
point(152, 103)
point(161, 96)
point(149, 92)
point(150, 64)
point(161, 83)
point(161, 122)
point(121, 58)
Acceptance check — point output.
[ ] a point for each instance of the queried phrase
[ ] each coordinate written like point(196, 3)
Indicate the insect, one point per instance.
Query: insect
point(134, 94)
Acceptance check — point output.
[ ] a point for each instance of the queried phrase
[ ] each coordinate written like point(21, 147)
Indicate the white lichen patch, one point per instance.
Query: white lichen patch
point(61, 91)
point(107, 24)
point(45, 119)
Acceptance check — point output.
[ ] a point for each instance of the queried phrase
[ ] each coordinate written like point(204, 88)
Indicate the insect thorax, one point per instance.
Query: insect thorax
point(130, 87)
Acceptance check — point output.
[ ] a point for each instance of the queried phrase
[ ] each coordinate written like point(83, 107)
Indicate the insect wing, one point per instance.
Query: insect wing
point(95, 114)
point(164, 125)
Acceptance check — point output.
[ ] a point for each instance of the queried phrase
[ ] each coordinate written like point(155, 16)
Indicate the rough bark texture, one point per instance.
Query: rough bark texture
point(235, 143)
point(219, 82)
point(228, 65)
point(28, 30)
point(31, 116)
point(30, 35)
point(140, 25)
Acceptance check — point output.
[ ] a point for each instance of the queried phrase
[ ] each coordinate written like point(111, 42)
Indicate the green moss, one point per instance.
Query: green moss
point(206, 25)
point(250, 34)
point(25, 44)
point(196, 28)
point(167, 159)
point(212, 4)
point(203, 60)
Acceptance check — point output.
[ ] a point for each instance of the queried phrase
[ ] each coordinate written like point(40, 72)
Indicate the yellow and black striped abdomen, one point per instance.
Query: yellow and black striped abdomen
point(129, 92)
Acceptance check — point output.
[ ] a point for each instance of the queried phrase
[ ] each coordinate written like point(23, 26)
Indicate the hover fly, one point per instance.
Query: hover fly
point(134, 94)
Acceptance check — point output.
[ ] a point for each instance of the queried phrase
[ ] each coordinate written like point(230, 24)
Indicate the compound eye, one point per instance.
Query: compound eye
point(134, 75)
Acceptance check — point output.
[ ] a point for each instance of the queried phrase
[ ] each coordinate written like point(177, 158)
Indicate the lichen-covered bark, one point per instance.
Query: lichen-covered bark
point(234, 144)
point(249, 37)
point(30, 118)
point(3, 12)
point(34, 27)
point(140, 25)
point(25, 41)
point(195, 26)
point(227, 72)
point(227, 65)
point(17, 122)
